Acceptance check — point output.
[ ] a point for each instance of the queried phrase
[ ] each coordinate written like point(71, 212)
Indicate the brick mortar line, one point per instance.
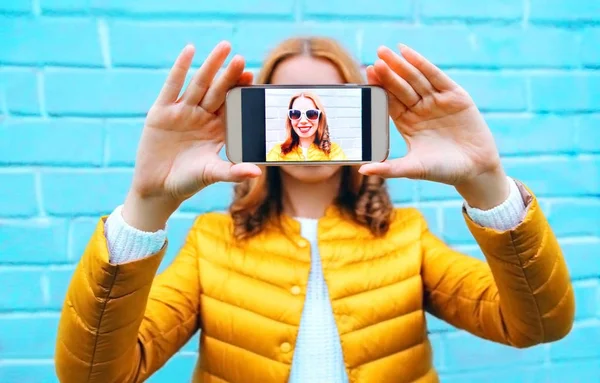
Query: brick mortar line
point(565, 24)
point(42, 268)
point(16, 314)
point(193, 18)
point(297, 11)
point(592, 282)
point(476, 70)
point(104, 41)
point(460, 69)
point(526, 12)
point(36, 7)
point(26, 362)
point(61, 169)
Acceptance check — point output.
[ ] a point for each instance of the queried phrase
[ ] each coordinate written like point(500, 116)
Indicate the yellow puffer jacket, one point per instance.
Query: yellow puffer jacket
point(121, 324)
point(313, 153)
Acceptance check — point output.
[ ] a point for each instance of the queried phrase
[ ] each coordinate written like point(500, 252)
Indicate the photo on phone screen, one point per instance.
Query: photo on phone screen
point(308, 124)
point(313, 124)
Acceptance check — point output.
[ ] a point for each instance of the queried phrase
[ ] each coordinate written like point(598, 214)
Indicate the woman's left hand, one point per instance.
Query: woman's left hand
point(448, 139)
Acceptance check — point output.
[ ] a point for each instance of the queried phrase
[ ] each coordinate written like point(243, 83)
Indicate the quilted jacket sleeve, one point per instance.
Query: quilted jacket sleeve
point(522, 295)
point(121, 323)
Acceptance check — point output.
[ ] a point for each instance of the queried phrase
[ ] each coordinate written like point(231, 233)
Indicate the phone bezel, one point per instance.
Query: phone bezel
point(380, 131)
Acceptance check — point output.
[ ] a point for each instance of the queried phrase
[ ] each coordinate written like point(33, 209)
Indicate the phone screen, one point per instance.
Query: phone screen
point(308, 124)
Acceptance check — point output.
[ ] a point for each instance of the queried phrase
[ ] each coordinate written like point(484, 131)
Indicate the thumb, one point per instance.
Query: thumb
point(405, 167)
point(222, 171)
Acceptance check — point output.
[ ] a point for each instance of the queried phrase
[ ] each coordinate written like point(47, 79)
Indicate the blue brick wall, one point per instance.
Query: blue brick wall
point(77, 76)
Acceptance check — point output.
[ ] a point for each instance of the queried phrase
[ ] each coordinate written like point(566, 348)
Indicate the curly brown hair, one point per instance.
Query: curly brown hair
point(258, 200)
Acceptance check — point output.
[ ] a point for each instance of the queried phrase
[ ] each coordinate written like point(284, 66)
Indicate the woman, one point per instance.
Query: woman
point(312, 276)
point(307, 133)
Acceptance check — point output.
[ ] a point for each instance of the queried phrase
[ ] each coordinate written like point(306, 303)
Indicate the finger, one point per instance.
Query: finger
point(246, 78)
point(394, 105)
point(406, 167)
point(223, 171)
point(396, 85)
point(406, 70)
point(176, 77)
point(215, 96)
point(372, 76)
point(205, 74)
point(440, 80)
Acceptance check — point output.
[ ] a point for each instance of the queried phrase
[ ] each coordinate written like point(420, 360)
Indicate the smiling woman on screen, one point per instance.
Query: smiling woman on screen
point(307, 133)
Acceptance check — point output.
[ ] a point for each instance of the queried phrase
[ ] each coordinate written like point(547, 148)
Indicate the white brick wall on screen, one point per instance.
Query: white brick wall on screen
point(343, 109)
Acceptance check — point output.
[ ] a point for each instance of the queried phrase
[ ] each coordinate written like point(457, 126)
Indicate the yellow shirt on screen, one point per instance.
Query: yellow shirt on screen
point(313, 153)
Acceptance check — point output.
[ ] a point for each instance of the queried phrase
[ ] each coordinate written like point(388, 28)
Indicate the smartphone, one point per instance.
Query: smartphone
point(307, 124)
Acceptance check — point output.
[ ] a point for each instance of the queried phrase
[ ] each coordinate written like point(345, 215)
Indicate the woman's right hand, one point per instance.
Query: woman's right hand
point(178, 153)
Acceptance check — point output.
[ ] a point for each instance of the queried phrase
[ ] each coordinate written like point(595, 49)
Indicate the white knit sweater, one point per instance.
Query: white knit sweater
point(318, 354)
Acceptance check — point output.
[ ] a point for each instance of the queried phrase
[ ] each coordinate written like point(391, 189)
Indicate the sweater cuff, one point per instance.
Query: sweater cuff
point(503, 217)
point(126, 243)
